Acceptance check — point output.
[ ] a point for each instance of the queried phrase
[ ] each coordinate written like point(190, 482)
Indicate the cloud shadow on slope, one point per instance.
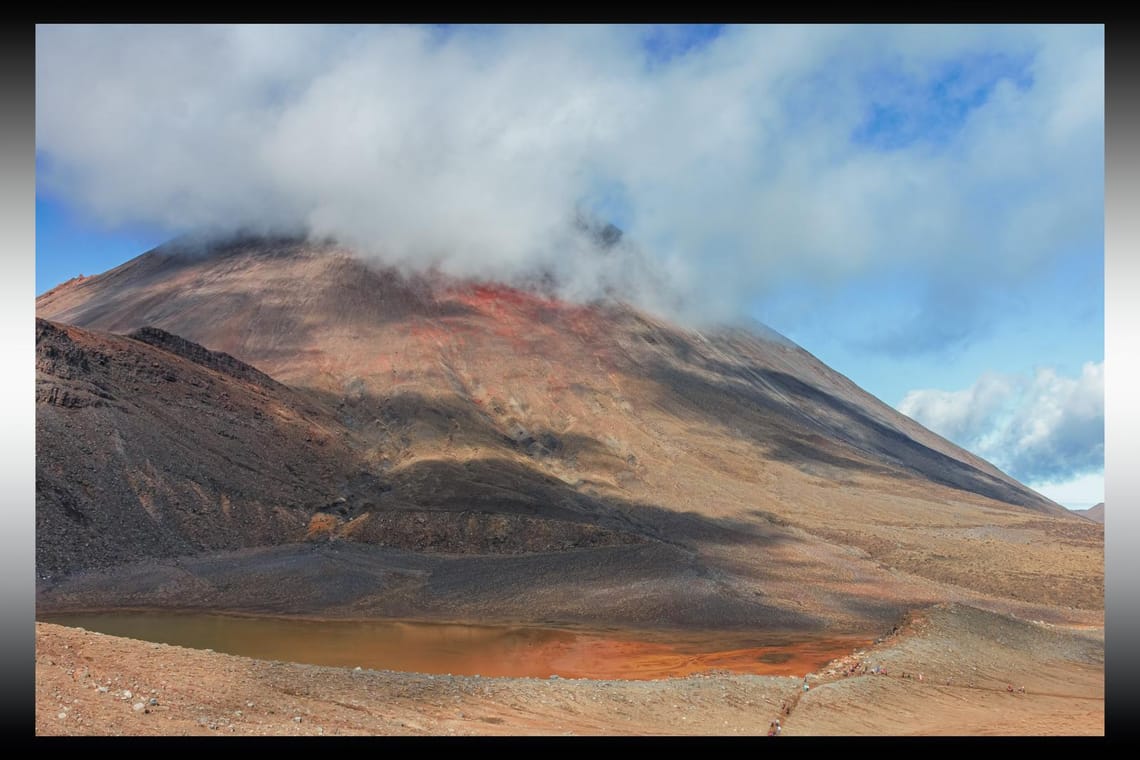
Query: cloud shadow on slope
point(755, 401)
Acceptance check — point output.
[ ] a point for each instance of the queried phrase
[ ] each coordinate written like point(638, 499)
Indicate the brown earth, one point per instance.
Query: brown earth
point(495, 433)
point(1095, 513)
point(967, 658)
point(281, 428)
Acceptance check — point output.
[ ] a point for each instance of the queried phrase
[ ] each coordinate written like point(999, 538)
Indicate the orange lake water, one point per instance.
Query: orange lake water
point(485, 650)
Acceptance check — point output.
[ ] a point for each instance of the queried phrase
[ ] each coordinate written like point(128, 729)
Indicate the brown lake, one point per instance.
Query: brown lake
point(485, 650)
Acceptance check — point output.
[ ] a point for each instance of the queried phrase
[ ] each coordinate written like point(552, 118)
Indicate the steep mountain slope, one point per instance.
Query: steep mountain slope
point(472, 419)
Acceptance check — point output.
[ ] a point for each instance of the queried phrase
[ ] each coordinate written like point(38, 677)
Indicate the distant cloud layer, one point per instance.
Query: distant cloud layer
point(1044, 429)
point(735, 160)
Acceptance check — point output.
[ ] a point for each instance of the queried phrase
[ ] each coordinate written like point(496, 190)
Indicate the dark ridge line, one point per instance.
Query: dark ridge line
point(191, 351)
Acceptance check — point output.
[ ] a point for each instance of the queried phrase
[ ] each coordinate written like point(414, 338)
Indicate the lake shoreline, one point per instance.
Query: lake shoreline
point(968, 658)
point(525, 650)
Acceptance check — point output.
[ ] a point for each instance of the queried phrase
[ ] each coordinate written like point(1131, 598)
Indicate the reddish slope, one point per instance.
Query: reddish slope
point(522, 415)
point(318, 318)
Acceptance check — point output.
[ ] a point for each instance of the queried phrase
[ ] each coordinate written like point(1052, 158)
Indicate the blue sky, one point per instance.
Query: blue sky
point(920, 207)
point(68, 244)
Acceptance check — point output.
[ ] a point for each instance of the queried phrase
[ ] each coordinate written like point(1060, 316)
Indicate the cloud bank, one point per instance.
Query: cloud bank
point(1044, 429)
point(734, 159)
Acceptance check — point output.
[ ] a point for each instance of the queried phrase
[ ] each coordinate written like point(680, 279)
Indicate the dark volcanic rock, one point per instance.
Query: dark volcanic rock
point(141, 453)
point(216, 360)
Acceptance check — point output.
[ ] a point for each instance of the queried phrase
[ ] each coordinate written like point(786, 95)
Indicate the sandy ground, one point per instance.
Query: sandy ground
point(93, 684)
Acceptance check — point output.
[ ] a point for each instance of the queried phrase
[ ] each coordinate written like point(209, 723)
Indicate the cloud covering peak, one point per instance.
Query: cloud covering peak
point(732, 158)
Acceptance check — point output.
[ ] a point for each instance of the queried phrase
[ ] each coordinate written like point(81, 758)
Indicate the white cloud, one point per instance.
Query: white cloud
point(469, 148)
point(1044, 430)
point(965, 415)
